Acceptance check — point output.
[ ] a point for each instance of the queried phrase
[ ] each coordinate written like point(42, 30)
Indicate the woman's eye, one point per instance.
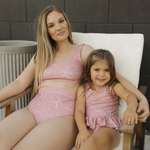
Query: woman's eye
point(96, 69)
point(61, 21)
point(50, 26)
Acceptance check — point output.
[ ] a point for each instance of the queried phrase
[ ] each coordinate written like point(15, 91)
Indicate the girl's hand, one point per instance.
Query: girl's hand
point(130, 116)
point(81, 137)
point(143, 110)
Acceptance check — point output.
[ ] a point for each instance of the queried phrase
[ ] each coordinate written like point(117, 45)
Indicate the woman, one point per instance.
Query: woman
point(56, 69)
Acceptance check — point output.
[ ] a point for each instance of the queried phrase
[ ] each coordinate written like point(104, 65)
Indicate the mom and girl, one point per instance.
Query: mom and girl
point(48, 122)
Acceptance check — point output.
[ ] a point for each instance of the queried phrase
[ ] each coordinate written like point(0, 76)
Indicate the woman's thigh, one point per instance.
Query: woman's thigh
point(14, 127)
point(53, 134)
point(104, 138)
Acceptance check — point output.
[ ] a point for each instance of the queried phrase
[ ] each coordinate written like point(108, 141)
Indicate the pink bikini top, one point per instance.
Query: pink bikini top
point(70, 70)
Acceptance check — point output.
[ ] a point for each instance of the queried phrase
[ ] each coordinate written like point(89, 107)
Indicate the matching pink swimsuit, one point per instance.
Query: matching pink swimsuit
point(101, 109)
point(51, 102)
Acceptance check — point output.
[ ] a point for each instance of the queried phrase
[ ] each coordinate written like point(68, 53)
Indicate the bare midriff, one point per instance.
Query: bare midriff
point(57, 84)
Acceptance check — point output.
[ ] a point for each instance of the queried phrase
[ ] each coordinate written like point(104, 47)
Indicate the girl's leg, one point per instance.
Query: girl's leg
point(104, 138)
point(53, 134)
point(14, 127)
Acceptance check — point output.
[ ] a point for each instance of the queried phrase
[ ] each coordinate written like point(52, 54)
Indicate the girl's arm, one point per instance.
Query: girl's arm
point(80, 118)
point(21, 83)
point(130, 115)
point(143, 103)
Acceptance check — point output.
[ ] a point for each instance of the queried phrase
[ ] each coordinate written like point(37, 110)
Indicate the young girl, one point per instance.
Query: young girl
point(97, 99)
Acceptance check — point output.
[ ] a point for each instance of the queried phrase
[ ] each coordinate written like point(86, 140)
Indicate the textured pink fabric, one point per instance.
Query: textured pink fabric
point(70, 70)
point(52, 102)
point(101, 109)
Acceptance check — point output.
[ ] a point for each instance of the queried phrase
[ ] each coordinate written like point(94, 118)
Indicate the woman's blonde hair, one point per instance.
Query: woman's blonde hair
point(46, 46)
point(98, 55)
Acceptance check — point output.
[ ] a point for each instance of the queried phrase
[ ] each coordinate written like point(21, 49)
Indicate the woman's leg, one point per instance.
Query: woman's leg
point(104, 138)
point(53, 134)
point(14, 127)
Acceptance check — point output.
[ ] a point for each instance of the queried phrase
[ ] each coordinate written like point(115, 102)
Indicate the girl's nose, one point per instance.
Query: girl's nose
point(101, 74)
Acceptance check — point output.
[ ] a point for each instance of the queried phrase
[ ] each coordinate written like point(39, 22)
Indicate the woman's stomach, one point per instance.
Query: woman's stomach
point(58, 84)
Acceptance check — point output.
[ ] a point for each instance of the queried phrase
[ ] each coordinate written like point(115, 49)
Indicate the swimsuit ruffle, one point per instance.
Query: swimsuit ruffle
point(97, 122)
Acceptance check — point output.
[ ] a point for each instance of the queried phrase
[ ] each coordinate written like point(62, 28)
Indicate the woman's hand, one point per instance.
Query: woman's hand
point(130, 116)
point(143, 110)
point(81, 137)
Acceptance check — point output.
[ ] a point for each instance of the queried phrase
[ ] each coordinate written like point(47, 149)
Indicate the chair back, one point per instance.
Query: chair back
point(127, 50)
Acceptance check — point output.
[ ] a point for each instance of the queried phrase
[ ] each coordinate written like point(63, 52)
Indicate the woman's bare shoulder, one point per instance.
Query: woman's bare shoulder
point(86, 50)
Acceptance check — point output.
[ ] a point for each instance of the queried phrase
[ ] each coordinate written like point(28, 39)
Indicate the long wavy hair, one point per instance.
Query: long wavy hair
point(46, 46)
point(98, 55)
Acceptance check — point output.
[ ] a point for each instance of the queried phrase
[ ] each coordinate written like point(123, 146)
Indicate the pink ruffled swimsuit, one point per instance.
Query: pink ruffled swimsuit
point(101, 109)
point(52, 102)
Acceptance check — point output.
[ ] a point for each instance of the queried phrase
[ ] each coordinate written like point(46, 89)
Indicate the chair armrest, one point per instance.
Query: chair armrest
point(127, 128)
point(9, 100)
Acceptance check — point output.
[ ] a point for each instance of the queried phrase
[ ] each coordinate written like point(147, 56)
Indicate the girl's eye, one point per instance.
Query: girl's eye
point(61, 21)
point(106, 70)
point(96, 69)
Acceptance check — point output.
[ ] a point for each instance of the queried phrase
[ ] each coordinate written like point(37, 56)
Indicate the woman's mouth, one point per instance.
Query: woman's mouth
point(61, 33)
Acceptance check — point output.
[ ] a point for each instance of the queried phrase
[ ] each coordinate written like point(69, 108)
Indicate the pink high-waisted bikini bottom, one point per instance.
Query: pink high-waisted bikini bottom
point(51, 102)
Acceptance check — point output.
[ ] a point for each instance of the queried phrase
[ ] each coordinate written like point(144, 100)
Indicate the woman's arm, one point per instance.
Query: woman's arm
point(130, 115)
point(21, 83)
point(143, 108)
point(80, 118)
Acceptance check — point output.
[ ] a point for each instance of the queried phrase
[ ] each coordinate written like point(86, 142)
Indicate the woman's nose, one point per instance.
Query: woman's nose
point(58, 26)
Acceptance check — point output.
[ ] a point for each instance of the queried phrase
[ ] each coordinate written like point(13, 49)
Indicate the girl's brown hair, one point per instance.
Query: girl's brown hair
point(98, 55)
point(46, 46)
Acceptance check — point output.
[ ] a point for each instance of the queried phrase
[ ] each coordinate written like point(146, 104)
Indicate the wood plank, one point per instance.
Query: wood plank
point(10, 108)
point(8, 101)
point(127, 128)
point(138, 135)
point(143, 90)
point(127, 141)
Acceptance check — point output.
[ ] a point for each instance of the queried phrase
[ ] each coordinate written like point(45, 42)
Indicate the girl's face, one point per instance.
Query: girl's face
point(57, 26)
point(100, 74)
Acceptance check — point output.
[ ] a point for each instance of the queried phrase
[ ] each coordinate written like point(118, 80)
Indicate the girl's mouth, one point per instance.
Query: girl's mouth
point(101, 80)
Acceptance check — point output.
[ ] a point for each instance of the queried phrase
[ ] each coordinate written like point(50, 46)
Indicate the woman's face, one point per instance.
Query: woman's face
point(57, 26)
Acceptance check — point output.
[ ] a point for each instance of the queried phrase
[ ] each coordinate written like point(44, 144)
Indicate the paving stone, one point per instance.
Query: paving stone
point(129, 11)
point(78, 27)
point(87, 11)
point(12, 10)
point(4, 31)
point(34, 7)
point(145, 66)
point(22, 31)
point(109, 28)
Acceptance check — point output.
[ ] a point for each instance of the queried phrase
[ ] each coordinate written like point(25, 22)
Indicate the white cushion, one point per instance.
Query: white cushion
point(127, 50)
